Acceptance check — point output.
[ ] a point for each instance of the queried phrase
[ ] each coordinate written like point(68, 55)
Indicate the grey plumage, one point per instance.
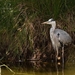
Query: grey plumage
point(58, 36)
point(64, 36)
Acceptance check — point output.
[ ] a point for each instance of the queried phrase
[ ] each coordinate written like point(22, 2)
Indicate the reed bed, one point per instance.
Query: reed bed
point(21, 32)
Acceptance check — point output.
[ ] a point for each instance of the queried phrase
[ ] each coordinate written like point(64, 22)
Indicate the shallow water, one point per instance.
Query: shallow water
point(38, 68)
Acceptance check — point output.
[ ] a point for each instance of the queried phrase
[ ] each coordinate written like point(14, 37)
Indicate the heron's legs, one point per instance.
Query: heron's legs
point(57, 60)
point(56, 54)
point(63, 57)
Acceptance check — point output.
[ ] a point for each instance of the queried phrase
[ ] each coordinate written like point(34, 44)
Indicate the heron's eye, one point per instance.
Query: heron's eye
point(51, 20)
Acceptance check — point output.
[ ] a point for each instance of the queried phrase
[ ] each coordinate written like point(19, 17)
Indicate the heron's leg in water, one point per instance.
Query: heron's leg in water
point(56, 60)
point(56, 54)
point(63, 56)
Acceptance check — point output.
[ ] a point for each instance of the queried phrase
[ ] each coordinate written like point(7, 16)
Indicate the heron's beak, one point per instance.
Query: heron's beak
point(45, 22)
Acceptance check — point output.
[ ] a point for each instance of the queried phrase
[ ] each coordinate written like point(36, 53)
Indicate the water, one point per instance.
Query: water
point(37, 68)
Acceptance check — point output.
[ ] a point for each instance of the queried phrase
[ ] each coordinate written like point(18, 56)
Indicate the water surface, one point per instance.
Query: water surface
point(38, 68)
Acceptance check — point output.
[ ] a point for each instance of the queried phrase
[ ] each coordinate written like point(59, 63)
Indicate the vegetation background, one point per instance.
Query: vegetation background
point(23, 37)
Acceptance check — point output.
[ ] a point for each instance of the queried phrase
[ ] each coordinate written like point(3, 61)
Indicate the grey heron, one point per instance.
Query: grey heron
point(58, 37)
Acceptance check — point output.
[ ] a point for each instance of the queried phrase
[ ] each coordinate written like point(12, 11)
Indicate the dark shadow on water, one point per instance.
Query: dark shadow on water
point(37, 67)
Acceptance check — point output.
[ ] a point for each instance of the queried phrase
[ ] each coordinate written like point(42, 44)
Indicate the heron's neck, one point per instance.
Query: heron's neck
point(53, 26)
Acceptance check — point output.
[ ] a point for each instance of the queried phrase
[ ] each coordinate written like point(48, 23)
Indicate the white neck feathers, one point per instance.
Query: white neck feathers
point(53, 25)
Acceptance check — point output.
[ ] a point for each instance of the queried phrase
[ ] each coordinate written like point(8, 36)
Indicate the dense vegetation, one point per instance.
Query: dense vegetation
point(21, 32)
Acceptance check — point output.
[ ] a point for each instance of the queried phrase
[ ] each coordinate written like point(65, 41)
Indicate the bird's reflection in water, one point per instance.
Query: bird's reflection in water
point(60, 68)
point(48, 67)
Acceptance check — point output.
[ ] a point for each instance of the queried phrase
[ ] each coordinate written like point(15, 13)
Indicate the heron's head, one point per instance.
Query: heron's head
point(50, 21)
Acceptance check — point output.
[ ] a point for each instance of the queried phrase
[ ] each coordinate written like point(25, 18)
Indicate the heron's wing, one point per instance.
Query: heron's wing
point(62, 36)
